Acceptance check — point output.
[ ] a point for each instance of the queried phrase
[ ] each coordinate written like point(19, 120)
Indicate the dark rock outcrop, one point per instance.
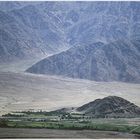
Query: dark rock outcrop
point(111, 106)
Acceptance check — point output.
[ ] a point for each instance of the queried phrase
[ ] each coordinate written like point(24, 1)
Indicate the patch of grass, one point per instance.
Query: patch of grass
point(96, 126)
point(74, 126)
point(4, 123)
point(136, 130)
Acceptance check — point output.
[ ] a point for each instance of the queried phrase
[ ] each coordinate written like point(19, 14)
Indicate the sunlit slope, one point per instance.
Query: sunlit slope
point(20, 91)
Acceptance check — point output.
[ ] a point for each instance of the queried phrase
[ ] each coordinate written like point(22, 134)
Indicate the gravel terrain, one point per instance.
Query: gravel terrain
point(51, 133)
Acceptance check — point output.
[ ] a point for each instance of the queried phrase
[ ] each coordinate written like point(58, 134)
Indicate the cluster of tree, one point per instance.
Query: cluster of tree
point(13, 115)
point(3, 123)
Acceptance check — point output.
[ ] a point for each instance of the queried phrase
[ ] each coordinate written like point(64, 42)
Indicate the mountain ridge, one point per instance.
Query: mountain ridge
point(117, 61)
point(48, 27)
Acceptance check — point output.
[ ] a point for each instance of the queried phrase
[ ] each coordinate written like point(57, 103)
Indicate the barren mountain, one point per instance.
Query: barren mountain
point(116, 61)
point(27, 33)
point(111, 106)
point(31, 29)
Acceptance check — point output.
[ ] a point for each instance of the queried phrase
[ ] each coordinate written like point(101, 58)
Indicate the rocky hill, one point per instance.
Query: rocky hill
point(108, 107)
point(111, 106)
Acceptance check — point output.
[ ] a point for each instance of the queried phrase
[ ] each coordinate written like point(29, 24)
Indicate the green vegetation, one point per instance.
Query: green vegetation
point(136, 130)
point(60, 120)
point(71, 125)
point(4, 123)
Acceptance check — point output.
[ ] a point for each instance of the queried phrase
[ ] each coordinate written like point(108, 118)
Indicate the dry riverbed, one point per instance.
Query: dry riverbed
point(51, 133)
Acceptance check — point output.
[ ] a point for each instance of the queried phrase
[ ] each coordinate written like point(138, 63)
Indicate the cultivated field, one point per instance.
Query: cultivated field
point(60, 121)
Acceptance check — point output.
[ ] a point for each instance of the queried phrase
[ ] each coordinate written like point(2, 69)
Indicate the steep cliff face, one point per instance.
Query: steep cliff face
point(117, 61)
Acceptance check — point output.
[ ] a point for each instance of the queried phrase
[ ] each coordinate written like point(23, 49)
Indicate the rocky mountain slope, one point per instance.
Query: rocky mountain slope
point(88, 22)
point(111, 106)
point(117, 61)
point(30, 29)
point(8, 6)
point(27, 32)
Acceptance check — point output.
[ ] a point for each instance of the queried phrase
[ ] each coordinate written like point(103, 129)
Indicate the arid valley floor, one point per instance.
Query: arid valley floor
point(23, 91)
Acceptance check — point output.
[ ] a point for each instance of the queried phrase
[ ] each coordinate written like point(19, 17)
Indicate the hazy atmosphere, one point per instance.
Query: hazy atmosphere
point(72, 61)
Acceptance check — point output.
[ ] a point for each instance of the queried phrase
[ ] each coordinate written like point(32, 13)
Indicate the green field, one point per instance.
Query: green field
point(74, 125)
point(55, 120)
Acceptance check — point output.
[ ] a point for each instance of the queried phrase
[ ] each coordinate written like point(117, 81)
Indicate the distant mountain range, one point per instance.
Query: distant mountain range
point(33, 29)
point(111, 106)
point(116, 61)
